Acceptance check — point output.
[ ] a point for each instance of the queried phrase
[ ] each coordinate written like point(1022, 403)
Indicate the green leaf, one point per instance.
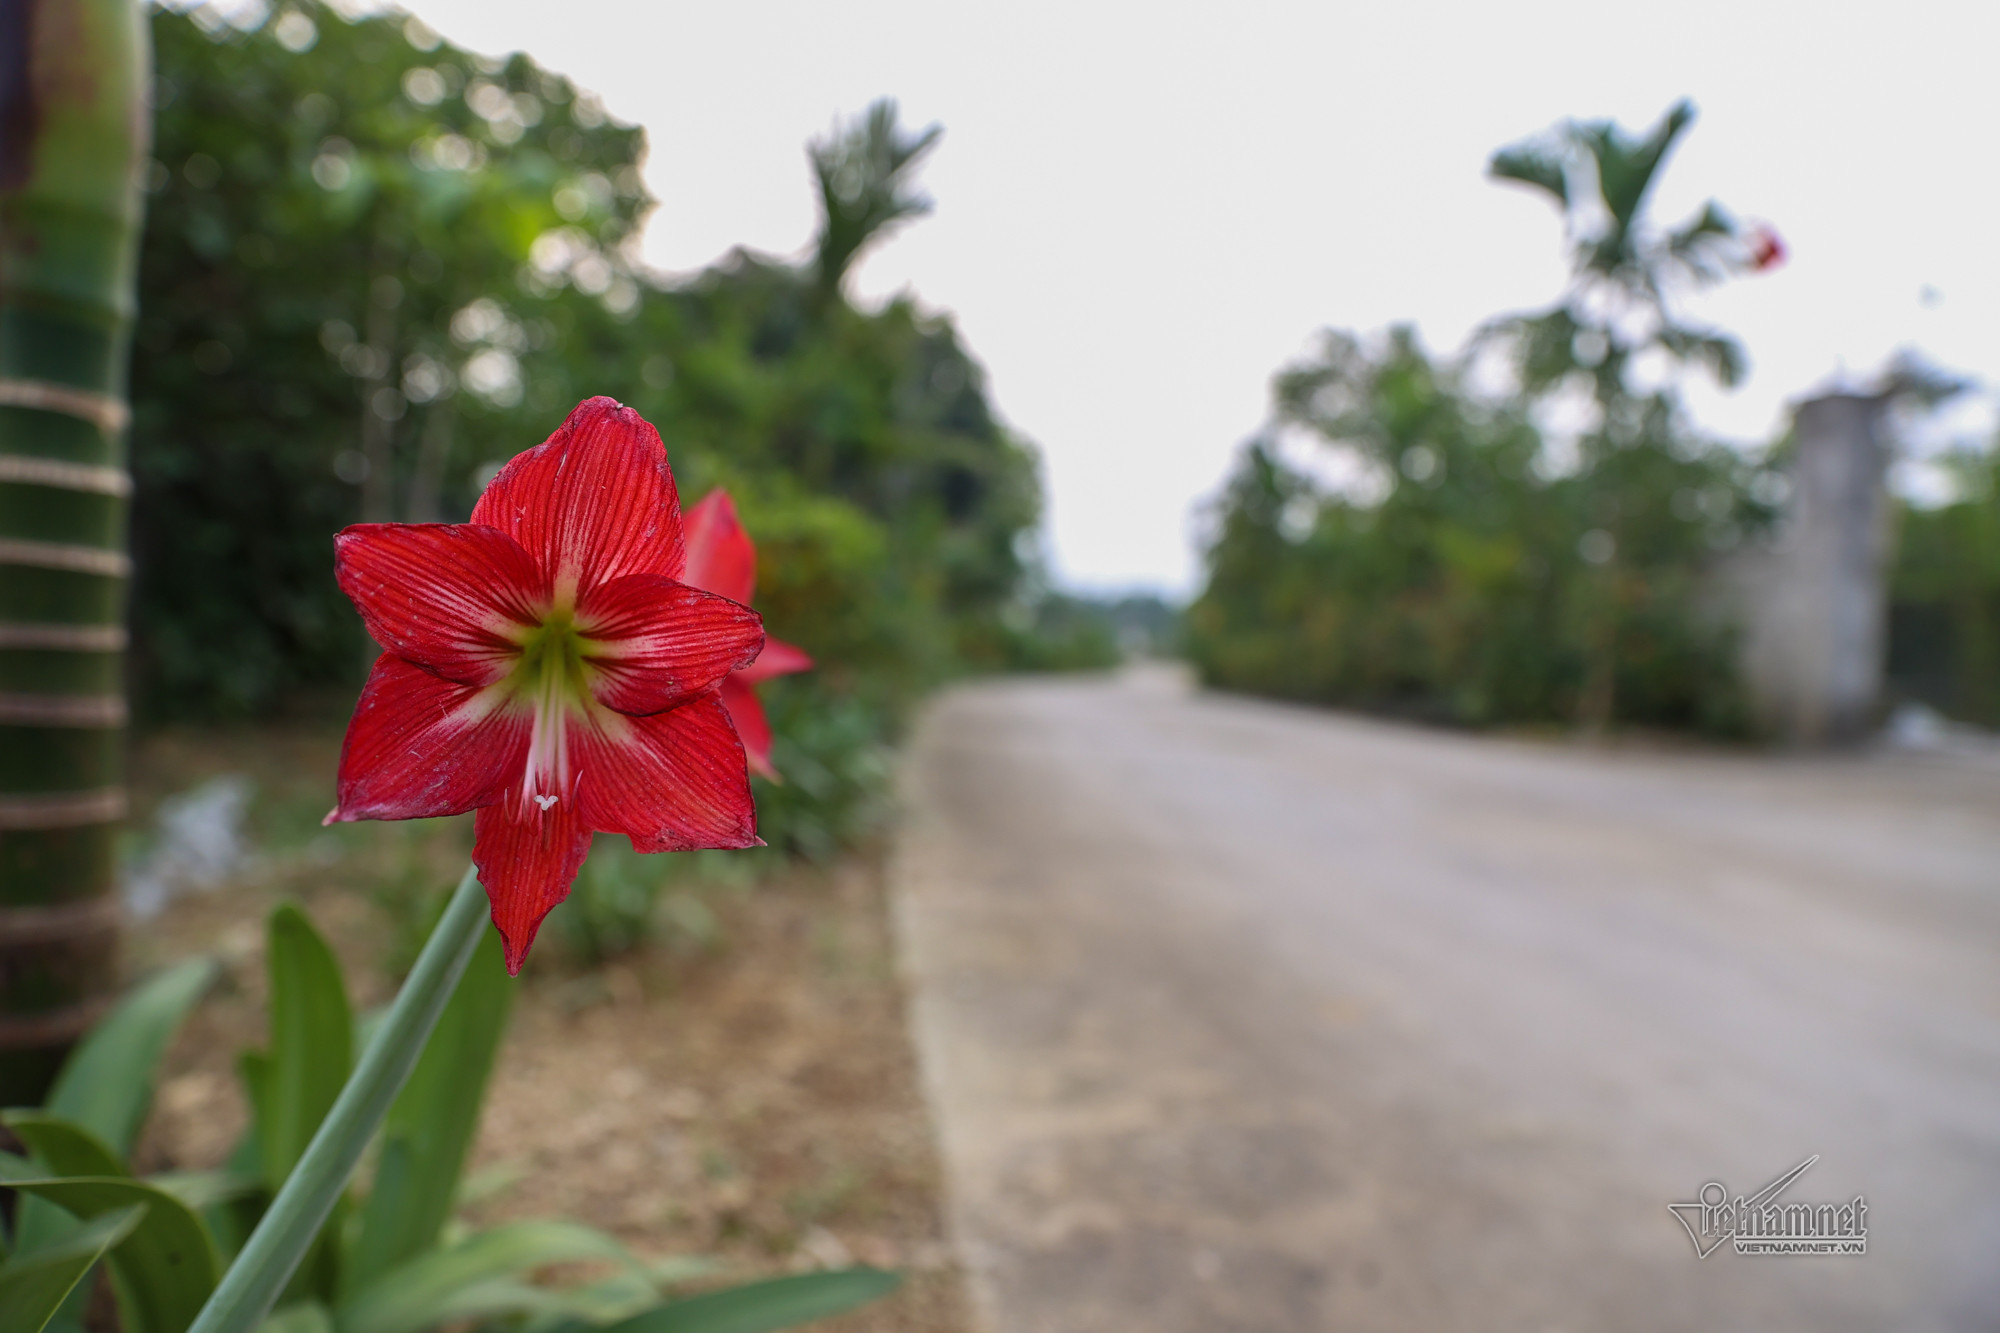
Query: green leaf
point(68, 1149)
point(231, 1223)
point(1711, 222)
point(253, 1069)
point(1531, 164)
point(107, 1083)
point(1543, 346)
point(312, 1034)
point(34, 1285)
point(421, 1292)
point(298, 1216)
point(1719, 353)
point(1702, 247)
point(761, 1306)
point(545, 1308)
point(166, 1266)
point(507, 1298)
point(612, 1298)
point(293, 1085)
point(305, 1317)
point(430, 1128)
point(64, 1149)
point(1626, 171)
point(206, 1189)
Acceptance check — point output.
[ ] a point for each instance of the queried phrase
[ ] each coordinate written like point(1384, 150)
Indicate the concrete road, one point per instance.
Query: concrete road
point(1239, 1016)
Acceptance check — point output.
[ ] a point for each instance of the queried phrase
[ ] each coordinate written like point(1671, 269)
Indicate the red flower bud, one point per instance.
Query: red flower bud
point(1767, 250)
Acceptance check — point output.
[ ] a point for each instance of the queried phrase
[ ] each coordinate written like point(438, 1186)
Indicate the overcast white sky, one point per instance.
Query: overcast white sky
point(1144, 210)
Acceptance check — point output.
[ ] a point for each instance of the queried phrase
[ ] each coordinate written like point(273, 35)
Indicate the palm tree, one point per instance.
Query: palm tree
point(73, 144)
point(864, 170)
point(1618, 307)
point(1623, 271)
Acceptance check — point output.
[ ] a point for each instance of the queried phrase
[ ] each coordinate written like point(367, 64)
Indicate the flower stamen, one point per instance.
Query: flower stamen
point(550, 678)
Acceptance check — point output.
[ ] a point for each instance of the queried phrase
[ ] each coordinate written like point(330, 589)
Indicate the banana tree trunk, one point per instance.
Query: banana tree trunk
point(74, 134)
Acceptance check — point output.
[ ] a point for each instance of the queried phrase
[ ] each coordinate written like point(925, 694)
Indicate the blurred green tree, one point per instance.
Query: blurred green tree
point(335, 207)
point(1944, 607)
point(379, 266)
point(1473, 569)
point(1624, 271)
point(1615, 335)
point(1453, 575)
point(1439, 583)
point(863, 172)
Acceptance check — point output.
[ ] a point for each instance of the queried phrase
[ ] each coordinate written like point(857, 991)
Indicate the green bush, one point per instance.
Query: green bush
point(1464, 590)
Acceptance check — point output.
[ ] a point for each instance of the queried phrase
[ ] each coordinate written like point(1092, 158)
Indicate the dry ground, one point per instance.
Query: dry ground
point(753, 1097)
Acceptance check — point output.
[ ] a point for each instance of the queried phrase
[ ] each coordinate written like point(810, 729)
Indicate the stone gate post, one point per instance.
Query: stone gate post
point(1814, 635)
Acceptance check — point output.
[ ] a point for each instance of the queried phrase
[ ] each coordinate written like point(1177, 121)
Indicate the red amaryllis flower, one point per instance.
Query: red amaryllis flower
point(722, 559)
point(546, 665)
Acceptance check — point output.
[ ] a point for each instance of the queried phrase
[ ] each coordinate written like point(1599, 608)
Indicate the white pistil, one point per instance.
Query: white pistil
point(551, 680)
point(547, 769)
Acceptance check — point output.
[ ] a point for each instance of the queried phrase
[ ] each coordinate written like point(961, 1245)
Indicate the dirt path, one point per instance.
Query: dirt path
point(748, 1095)
point(1248, 1017)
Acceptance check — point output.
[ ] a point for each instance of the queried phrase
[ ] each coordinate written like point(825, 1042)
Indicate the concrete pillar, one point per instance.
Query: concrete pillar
point(1815, 636)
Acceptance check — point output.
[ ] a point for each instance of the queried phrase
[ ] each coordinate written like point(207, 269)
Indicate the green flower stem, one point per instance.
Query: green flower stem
point(245, 1294)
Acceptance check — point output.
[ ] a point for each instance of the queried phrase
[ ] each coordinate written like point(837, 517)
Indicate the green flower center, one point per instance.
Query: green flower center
point(550, 671)
point(551, 678)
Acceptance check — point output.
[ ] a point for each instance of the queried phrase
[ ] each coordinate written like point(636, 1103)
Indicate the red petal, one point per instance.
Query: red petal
point(527, 860)
point(720, 555)
point(752, 727)
point(420, 746)
point(778, 659)
point(445, 596)
point(671, 781)
point(655, 642)
point(592, 503)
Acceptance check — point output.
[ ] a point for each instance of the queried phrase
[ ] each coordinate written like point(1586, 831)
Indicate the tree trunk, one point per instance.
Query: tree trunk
point(74, 136)
point(427, 477)
point(1597, 702)
point(380, 403)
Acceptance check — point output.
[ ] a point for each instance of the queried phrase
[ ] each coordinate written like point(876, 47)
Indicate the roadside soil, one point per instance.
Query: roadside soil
point(745, 1092)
